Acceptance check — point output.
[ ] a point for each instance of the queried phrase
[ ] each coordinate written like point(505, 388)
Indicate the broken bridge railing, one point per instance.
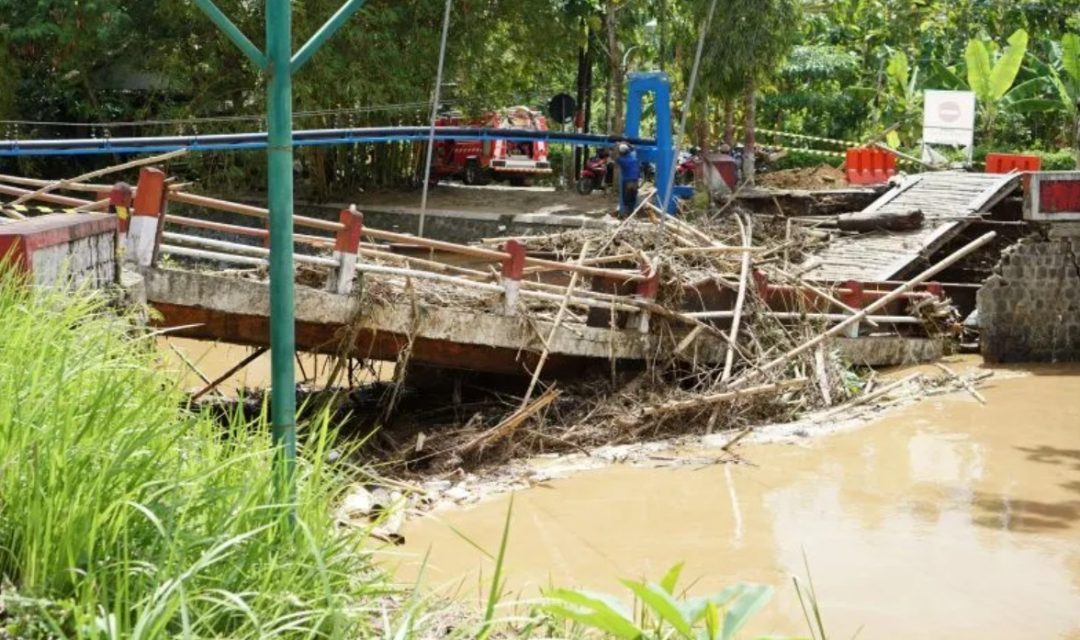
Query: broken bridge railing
point(145, 224)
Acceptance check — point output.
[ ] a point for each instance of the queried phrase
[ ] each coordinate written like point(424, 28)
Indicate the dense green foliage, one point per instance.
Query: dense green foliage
point(849, 69)
point(124, 515)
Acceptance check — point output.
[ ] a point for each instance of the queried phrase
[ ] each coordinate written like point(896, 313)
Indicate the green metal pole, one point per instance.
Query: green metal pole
point(280, 65)
point(280, 189)
point(232, 32)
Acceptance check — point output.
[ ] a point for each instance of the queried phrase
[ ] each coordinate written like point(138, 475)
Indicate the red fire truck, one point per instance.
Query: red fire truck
point(481, 161)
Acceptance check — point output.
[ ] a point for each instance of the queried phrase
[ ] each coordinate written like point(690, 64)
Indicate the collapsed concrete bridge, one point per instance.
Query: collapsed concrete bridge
point(204, 281)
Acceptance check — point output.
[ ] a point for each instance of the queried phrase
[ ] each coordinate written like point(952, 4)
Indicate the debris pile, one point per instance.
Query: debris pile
point(775, 366)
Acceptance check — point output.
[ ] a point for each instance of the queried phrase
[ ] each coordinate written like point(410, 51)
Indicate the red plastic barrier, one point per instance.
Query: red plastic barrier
point(1009, 162)
point(869, 165)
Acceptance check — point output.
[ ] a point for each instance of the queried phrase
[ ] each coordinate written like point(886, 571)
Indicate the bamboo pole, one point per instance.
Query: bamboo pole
point(224, 245)
point(824, 294)
point(201, 254)
point(489, 254)
point(85, 187)
point(315, 241)
point(94, 206)
point(554, 328)
point(874, 306)
point(57, 184)
point(863, 399)
point(617, 303)
point(249, 210)
point(189, 363)
point(682, 251)
point(228, 374)
point(47, 197)
point(37, 182)
point(798, 315)
point(746, 234)
point(511, 423)
point(970, 388)
point(701, 401)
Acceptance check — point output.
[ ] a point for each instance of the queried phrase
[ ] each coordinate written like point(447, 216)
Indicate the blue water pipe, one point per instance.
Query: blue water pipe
point(301, 138)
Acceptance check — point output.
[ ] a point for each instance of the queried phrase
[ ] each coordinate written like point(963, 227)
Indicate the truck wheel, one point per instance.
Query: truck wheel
point(475, 175)
point(585, 186)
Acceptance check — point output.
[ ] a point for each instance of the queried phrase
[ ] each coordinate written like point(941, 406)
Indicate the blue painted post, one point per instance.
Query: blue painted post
point(662, 156)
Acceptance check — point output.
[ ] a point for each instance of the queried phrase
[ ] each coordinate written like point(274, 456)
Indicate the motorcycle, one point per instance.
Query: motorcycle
point(686, 169)
point(593, 176)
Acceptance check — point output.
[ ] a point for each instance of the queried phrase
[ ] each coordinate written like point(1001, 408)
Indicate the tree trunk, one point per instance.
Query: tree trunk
point(615, 69)
point(701, 124)
point(729, 123)
point(1076, 142)
point(750, 148)
point(589, 87)
point(581, 71)
point(881, 221)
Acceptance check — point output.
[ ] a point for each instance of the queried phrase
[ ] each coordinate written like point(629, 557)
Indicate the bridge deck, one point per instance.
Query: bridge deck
point(949, 201)
point(216, 307)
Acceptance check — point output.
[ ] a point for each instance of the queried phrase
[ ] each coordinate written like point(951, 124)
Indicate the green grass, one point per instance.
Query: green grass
point(123, 515)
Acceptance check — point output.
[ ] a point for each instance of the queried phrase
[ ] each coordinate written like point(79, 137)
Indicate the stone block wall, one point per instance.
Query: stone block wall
point(1029, 309)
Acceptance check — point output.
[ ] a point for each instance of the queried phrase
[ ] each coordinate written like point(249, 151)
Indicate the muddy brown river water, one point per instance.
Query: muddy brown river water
point(942, 519)
point(214, 359)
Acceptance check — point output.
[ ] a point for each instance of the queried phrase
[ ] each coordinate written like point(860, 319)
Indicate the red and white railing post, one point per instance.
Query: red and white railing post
point(853, 295)
point(346, 246)
point(120, 198)
point(147, 215)
point(513, 268)
point(647, 291)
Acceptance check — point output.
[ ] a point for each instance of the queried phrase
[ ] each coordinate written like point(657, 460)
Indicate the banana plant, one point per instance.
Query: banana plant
point(662, 614)
point(903, 98)
point(991, 75)
point(1061, 77)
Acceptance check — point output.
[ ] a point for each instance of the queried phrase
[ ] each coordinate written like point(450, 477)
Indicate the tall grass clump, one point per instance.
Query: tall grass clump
point(125, 515)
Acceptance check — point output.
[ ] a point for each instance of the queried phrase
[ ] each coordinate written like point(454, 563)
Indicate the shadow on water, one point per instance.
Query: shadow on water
point(1033, 516)
point(1024, 516)
point(1053, 455)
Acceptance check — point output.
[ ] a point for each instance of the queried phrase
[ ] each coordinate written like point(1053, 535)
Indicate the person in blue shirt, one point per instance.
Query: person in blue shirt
point(629, 174)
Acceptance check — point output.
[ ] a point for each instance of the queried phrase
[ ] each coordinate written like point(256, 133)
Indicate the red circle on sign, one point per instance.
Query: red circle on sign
point(949, 111)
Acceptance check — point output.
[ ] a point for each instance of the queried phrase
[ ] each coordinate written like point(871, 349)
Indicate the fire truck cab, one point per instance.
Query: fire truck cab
point(479, 162)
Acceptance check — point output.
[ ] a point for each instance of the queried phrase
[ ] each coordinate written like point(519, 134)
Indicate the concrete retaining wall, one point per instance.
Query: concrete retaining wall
point(1029, 310)
point(63, 249)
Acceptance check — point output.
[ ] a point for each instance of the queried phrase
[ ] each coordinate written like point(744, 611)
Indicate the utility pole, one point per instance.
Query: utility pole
point(279, 64)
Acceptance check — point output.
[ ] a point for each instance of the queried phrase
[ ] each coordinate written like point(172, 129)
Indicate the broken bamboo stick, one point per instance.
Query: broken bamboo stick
point(865, 398)
point(970, 388)
point(747, 238)
point(618, 303)
point(191, 365)
point(58, 184)
point(511, 423)
point(824, 294)
point(48, 197)
point(701, 401)
point(228, 374)
point(554, 327)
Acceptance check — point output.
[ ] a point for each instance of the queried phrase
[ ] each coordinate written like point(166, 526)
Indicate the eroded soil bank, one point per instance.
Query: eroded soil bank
point(943, 519)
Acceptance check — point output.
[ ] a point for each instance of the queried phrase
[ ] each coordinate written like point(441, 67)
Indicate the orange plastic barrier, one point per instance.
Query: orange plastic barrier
point(1008, 162)
point(869, 165)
